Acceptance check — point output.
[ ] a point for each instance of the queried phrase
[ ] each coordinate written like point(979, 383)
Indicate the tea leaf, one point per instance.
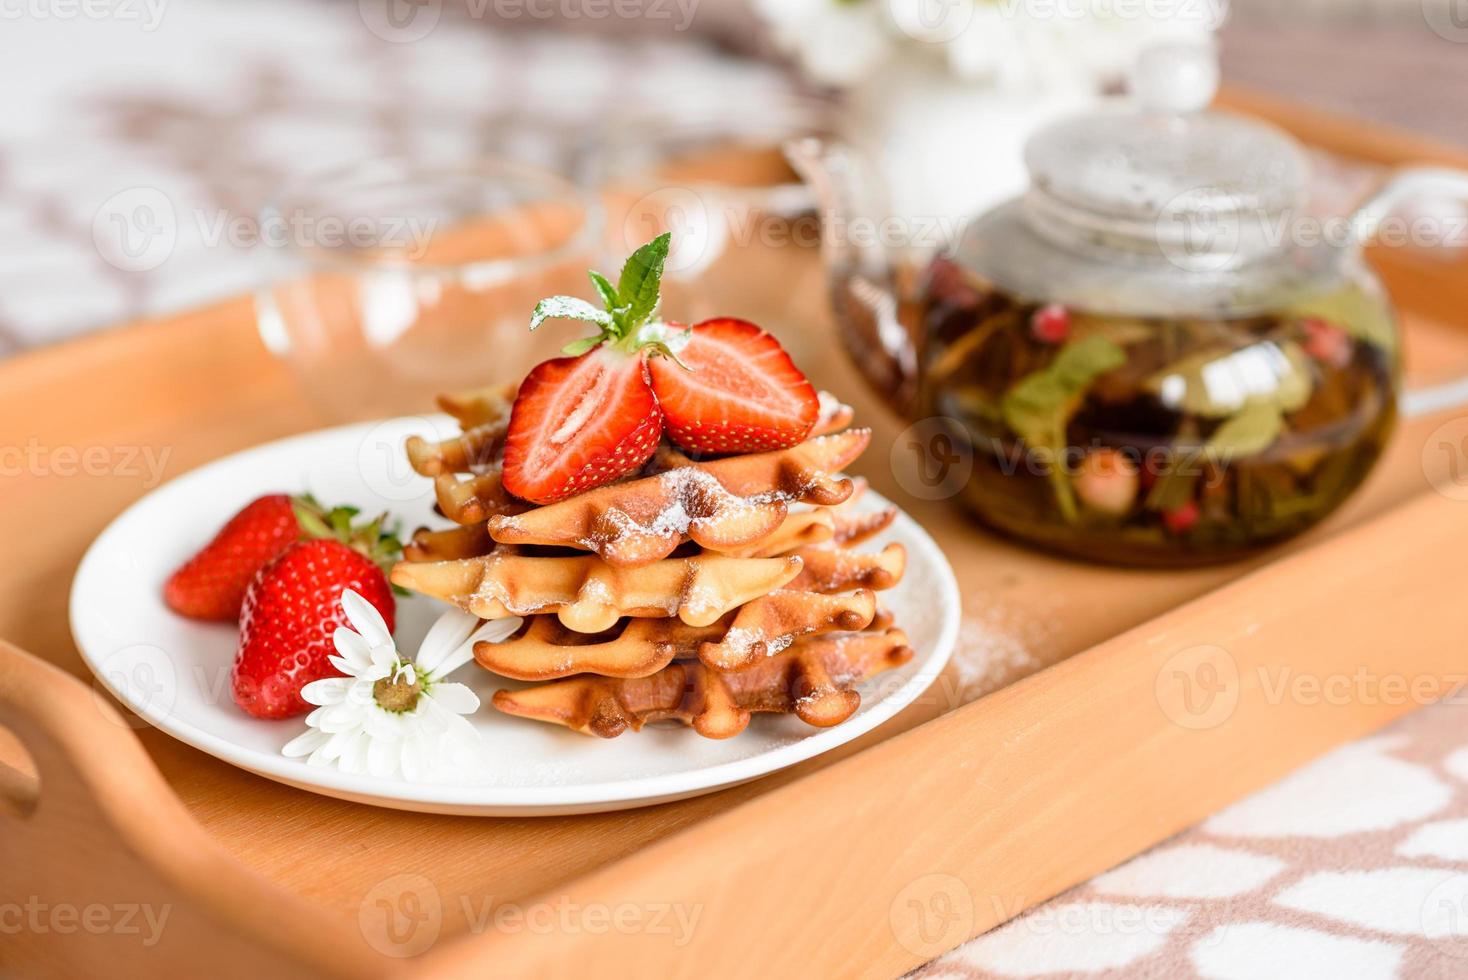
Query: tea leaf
point(1252, 431)
point(1084, 360)
point(1218, 383)
point(1174, 487)
point(1040, 406)
point(1118, 330)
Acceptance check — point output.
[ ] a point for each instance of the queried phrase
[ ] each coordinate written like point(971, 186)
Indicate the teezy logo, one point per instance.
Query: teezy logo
point(400, 21)
point(1198, 688)
point(401, 916)
point(136, 229)
point(932, 460)
point(932, 914)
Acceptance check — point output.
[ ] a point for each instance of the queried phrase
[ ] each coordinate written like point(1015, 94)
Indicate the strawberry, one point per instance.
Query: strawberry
point(590, 417)
point(211, 585)
point(598, 414)
point(580, 422)
point(293, 607)
point(733, 389)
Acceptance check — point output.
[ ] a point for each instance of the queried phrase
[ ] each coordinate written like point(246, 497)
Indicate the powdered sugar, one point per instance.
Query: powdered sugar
point(996, 646)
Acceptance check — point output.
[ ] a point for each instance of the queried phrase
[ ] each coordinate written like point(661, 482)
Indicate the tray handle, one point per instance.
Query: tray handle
point(18, 792)
point(99, 829)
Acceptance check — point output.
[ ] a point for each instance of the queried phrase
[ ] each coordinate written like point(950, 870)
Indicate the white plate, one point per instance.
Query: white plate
point(174, 672)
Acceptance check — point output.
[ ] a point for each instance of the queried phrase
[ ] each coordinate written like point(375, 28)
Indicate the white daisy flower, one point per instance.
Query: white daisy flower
point(392, 717)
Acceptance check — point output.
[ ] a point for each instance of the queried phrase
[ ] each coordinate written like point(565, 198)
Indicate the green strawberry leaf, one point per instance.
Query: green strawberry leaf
point(640, 281)
point(569, 308)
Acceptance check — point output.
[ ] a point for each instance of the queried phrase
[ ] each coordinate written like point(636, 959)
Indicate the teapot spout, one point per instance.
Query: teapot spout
point(862, 273)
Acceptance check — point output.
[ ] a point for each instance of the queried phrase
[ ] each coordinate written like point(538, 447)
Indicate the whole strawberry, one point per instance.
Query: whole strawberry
point(292, 608)
point(211, 585)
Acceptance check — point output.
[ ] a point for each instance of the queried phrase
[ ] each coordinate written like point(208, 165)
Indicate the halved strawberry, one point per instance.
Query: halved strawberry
point(739, 393)
point(580, 422)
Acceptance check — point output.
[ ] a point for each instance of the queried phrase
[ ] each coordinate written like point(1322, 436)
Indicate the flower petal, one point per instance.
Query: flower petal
point(382, 758)
point(305, 743)
point(353, 648)
point(417, 758)
point(332, 750)
point(328, 690)
point(491, 632)
point(354, 754)
point(366, 619)
point(342, 717)
point(448, 633)
point(385, 726)
point(457, 698)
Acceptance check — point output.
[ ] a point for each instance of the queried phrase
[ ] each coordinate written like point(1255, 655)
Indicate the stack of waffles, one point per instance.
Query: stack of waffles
point(694, 591)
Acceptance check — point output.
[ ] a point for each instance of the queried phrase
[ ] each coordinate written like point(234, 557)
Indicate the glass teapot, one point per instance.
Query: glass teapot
point(1157, 355)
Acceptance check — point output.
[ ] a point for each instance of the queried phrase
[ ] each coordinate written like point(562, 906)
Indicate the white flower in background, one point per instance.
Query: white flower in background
point(1011, 45)
point(836, 41)
point(391, 717)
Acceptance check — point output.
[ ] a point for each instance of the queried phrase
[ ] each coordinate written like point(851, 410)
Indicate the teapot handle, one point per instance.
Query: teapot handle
point(1406, 185)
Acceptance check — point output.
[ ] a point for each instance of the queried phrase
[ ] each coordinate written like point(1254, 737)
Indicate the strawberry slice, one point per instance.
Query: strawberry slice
point(580, 422)
point(740, 392)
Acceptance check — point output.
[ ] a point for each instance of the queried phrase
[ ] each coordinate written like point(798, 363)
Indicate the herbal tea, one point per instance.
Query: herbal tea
point(1155, 440)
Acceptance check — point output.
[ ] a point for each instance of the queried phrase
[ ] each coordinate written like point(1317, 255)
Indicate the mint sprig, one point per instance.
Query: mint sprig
point(626, 318)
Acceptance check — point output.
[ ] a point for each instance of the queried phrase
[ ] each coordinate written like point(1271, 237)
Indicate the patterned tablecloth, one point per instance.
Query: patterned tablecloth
point(1356, 866)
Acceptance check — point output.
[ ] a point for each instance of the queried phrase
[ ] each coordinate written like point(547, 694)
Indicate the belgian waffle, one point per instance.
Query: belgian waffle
point(544, 649)
point(814, 680)
point(590, 595)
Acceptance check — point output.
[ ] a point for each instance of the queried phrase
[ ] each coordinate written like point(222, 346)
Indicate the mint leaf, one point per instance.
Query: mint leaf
point(569, 308)
point(578, 347)
point(642, 276)
point(605, 289)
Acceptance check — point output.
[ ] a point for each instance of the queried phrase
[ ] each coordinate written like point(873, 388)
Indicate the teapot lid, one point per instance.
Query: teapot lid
point(1162, 155)
point(1157, 205)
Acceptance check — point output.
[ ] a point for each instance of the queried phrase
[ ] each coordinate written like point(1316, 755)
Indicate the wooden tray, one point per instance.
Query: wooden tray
point(947, 821)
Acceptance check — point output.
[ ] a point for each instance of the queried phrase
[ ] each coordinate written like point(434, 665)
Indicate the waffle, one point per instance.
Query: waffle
point(827, 570)
point(544, 649)
point(590, 595)
point(839, 526)
point(468, 541)
point(479, 406)
point(813, 680)
point(475, 454)
point(724, 504)
point(484, 415)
